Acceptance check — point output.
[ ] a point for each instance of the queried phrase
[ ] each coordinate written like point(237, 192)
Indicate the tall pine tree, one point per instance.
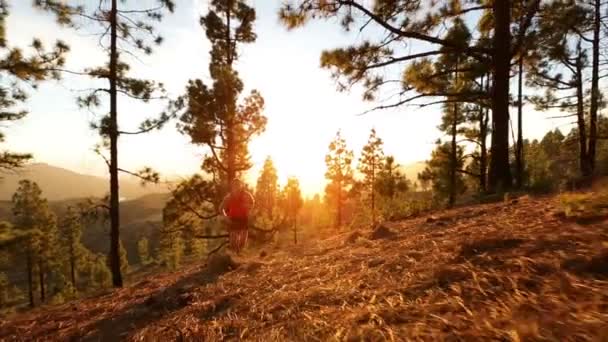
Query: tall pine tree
point(404, 22)
point(213, 118)
point(126, 27)
point(340, 176)
point(370, 164)
point(267, 189)
point(32, 216)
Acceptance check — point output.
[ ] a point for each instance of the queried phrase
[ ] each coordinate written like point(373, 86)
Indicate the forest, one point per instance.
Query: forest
point(486, 64)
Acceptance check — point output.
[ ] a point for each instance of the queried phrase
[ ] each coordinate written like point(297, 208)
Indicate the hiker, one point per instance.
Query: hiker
point(236, 207)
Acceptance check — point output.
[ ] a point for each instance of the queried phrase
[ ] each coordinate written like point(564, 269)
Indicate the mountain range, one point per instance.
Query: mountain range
point(59, 184)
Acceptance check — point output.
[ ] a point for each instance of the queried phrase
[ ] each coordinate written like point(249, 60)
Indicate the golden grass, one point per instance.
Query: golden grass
point(503, 271)
point(583, 207)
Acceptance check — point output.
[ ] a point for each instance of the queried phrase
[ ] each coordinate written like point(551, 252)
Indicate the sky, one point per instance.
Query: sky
point(303, 106)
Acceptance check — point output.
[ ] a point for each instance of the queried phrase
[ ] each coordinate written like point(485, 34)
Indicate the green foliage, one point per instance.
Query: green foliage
point(391, 182)
point(101, 277)
point(437, 172)
point(33, 217)
point(212, 116)
point(171, 247)
point(405, 205)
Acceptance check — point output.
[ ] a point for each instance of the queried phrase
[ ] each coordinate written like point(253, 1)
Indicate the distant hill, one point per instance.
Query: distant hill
point(411, 170)
point(140, 217)
point(60, 184)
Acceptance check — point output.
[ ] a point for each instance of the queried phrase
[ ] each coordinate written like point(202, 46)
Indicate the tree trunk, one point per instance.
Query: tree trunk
point(519, 156)
point(41, 281)
point(483, 155)
point(453, 155)
point(454, 149)
point(595, 92)
point(295, 232)
point(580, 115)
point(230, 124)
point(30, 278)
point(114, 190)
point(500, 172)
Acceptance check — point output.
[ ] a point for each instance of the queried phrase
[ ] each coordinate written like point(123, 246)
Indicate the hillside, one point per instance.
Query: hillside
point(60, 184)
point(140, 217)
point(510, 271)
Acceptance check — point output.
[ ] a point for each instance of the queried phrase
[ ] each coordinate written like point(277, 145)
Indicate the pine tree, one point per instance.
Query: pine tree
point(437, 172)
point(339, 174)
point(101, 274)
point(127, 28)
point(212, 117)
point(266, 189)
point(391, 181)
point(292, 198)
point(70, 237)
point(559, 68)
point(33, 218)
point(47, 250)
point(407, 21)
point(370, 165)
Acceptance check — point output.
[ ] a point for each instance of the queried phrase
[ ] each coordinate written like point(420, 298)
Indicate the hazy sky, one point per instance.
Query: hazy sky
point(304, 109)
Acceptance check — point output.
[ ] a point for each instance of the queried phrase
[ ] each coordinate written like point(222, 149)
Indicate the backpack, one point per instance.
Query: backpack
point(237, 206)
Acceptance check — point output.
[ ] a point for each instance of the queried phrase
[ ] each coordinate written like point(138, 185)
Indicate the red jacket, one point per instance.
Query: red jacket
point(238, 205)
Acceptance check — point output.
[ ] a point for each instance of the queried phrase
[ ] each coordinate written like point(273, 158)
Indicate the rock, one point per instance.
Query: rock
point(220, 264)
point(431, 219)
point(382, 232)
point(263, 254)
point(375, 262)
point(353, 237)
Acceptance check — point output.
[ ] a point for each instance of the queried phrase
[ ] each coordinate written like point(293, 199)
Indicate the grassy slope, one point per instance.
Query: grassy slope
point(507, 271)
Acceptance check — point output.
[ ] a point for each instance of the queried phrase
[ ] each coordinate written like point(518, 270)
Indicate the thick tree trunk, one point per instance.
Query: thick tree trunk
point(500, 171)
point(483, 157)
point(230, 127)
point(114, 190)
point(580, 115)
point(595, 92)
point(519, 157)
point(30, 278)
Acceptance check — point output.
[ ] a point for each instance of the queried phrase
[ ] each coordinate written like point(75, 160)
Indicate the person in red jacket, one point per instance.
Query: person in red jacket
point(236, 207)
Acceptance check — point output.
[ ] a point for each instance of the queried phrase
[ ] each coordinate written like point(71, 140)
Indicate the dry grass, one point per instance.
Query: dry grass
point(585, 207)
point(505, 271)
